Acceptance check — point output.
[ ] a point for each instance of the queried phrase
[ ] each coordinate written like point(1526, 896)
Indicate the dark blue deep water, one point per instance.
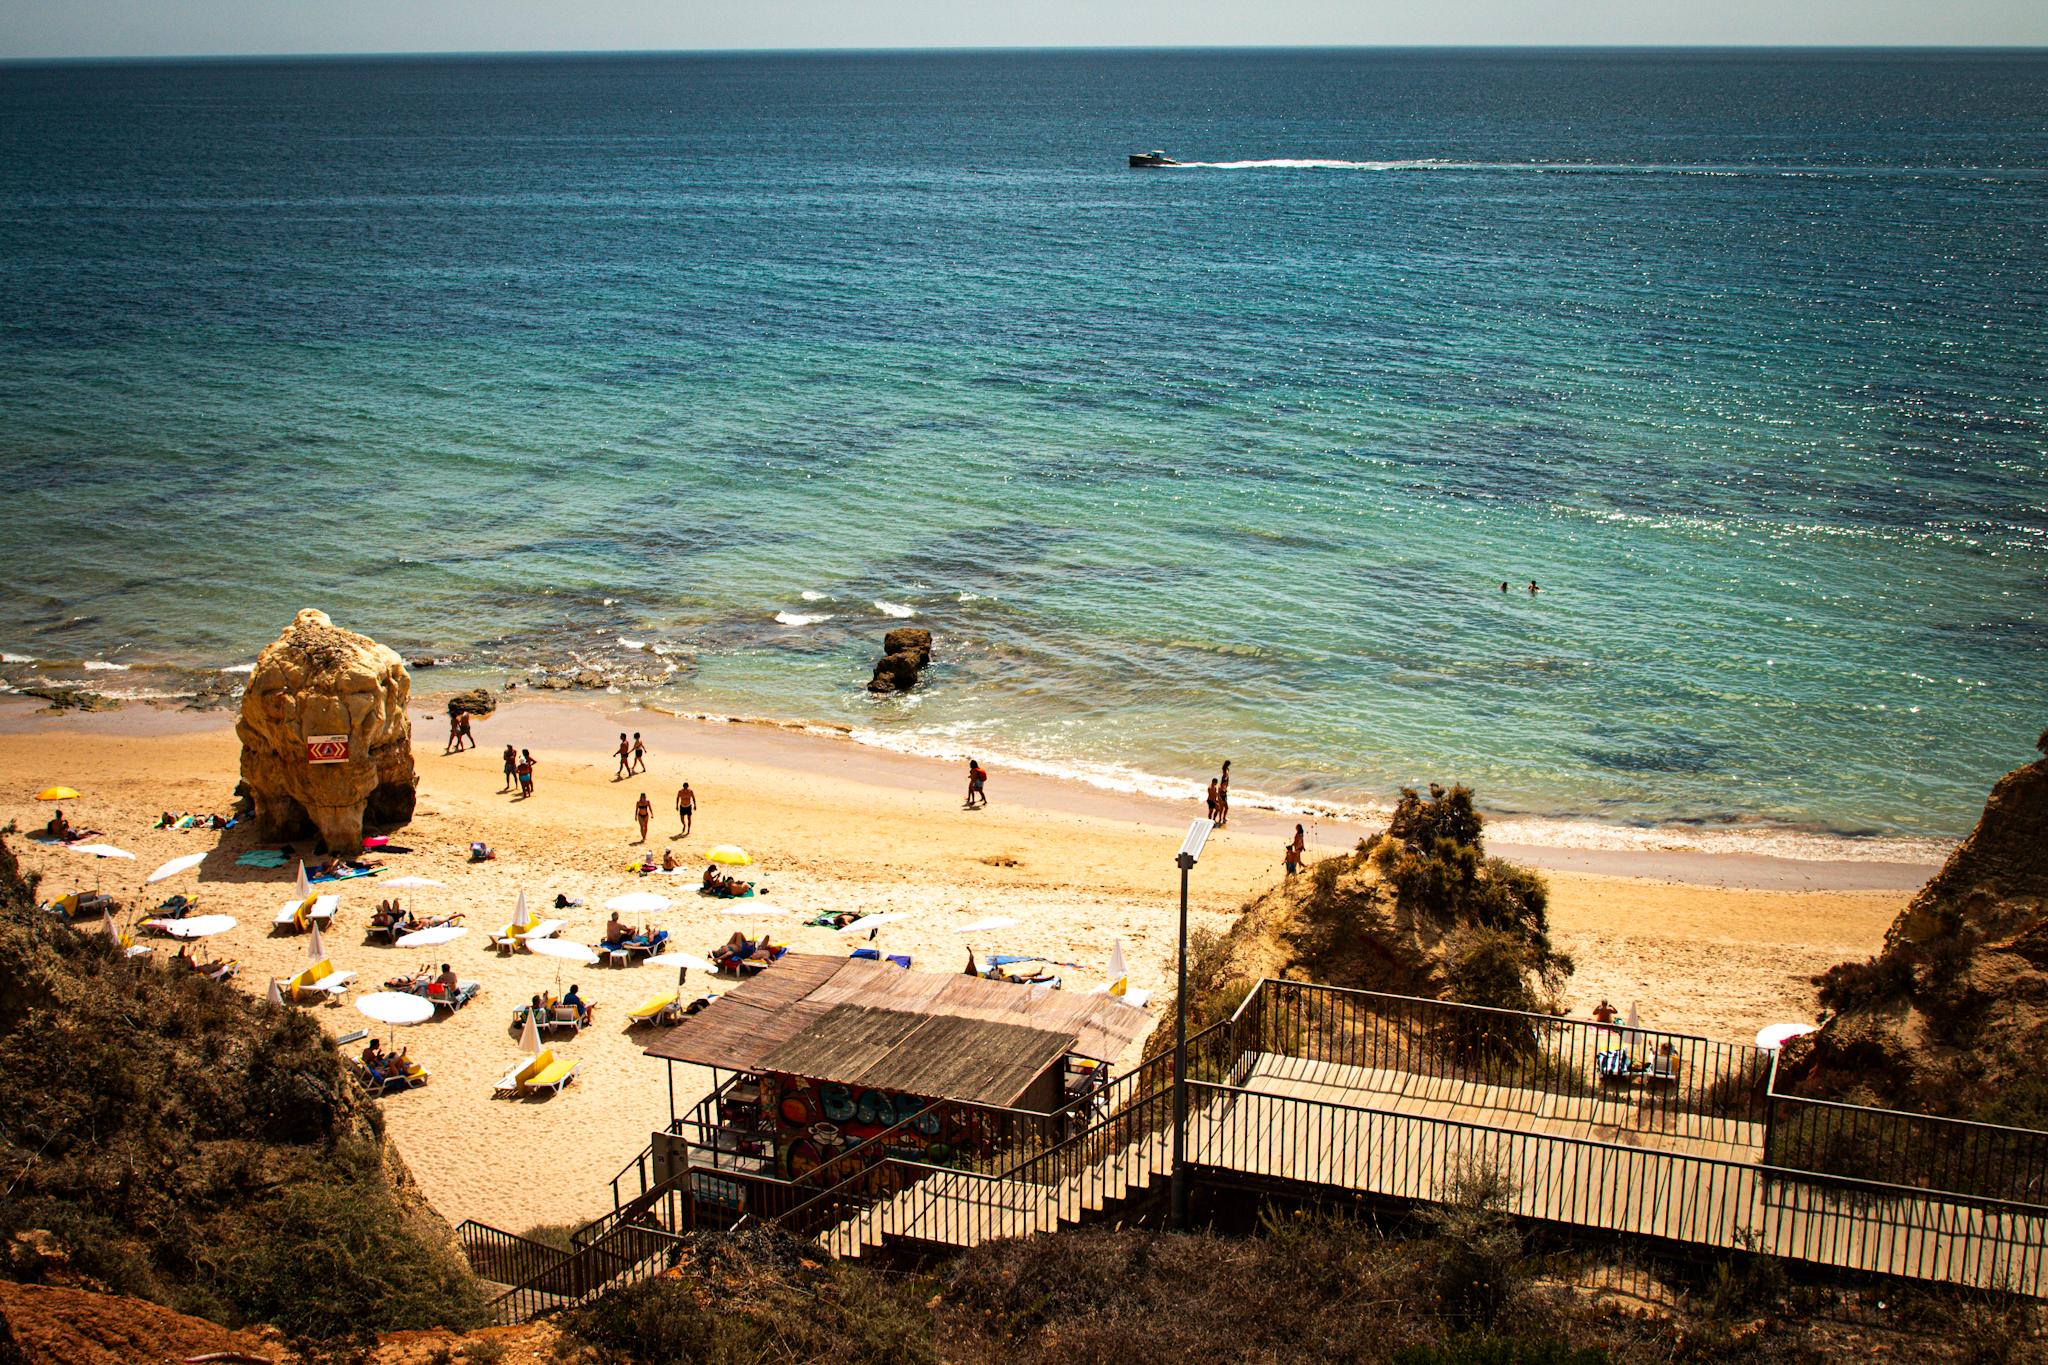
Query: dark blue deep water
point(707, 370)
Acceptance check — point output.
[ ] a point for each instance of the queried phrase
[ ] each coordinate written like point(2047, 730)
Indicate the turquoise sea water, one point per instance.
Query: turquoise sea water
point(1743, 356)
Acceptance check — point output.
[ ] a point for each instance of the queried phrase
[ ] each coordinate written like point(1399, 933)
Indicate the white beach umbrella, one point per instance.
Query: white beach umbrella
point(316, 951)
point(561, 948)
point(408, 883)
point(1777, 1035)
point(1117, 970)
point(519, 908)
point(638, 902)
point(107, 928)
point(396, 1007)
point(685, 961)
point(300, 883)
point(992, 922)
point(867, 922)
point(431, 938)
point(529, 1037)
point(99, 850)
point(200, 926)
point(276, 996)
point(174, 867)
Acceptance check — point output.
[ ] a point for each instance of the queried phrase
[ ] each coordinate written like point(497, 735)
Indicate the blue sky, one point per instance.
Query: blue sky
point(80, 28)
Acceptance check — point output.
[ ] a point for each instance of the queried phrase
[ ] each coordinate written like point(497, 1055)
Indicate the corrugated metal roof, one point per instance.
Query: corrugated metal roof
point(978, 1034)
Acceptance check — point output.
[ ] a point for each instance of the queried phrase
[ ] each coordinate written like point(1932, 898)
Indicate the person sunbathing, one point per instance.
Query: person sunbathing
point(616, 932)
point(392, 916)
point(718, 885)
point(59, 828)
point(647, 863)
point(734, 950)
point(668, 860)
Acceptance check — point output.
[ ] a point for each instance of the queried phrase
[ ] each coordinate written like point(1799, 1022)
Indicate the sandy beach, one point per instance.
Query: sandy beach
point(1709, 945)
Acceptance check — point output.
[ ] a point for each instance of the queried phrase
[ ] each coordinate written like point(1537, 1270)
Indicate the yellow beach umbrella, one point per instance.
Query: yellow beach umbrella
point(57, 794)
point(732, 855)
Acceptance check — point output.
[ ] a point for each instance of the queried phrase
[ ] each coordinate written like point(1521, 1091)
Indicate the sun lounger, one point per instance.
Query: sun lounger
point(465, 991)
point(300, 915)
point(563, 1016)
point(654, 1009)
point(544, 1072)
point(319, 979)
point(512, 935)
point(413, 1075)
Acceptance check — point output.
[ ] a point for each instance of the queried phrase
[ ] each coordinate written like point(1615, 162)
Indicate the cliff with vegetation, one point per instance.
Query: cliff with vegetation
point(169, 1138)
point(1951, 1017)
point(1417, 910)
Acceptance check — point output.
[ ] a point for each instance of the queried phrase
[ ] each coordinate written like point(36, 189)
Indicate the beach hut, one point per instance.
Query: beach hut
point(818, 1054)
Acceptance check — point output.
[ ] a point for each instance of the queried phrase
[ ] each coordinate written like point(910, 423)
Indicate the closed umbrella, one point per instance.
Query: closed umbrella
point(1117, 970)
point(107, 928)
point(276, 996)
point(430, 938)
point(732, 855)
point(57, 794)
point(174, 867)
point(529, 1037)
point(300, 884)
point(638, 902)
point(519, 908)
point(316, 951)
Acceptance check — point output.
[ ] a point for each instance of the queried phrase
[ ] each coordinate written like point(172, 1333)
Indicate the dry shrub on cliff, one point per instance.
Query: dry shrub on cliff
point(185, 1144)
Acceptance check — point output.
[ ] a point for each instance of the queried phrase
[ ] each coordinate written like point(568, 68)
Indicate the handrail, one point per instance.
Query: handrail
point(1906, 1114)
point(1534, 1015)
point(1754, 1167)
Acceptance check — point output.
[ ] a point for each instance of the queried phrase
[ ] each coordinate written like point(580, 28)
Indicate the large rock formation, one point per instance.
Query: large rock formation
point(1952, 1016)
point(906, 652)
point(315, 681)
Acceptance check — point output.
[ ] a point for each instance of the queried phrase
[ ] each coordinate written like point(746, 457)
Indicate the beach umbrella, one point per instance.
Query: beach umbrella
point(300, 884)
point(1777, 1035)
point(638, 902)
point(1117, 970)
point(519, 908)
point(430, 938)
point(199, 926)
point(732, 855)
point(100, 850)
point(316, 951)
point(685, 961)
point(869, 922)
point(276, 996)
point(107, 928)
point(561, 948)
point(992, 922)
point(396, 1008)
point(57, 794)
point(529, 1037)
point(408, 883)
point(174, 867)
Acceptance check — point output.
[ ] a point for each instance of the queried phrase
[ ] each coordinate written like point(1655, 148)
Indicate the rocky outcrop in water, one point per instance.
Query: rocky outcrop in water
point(478, 702)
point(1952, 1016)
point(906, 652)
point(326, 743)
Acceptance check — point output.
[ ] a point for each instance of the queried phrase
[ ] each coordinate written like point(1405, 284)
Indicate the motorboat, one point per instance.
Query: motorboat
point(1142, 160)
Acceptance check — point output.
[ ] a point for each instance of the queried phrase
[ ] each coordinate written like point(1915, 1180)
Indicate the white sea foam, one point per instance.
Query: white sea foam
point(103, 666)
point(239, 668)
point(968, 597)
point(611, 601)
point(16, 659)
point(625, 643)
point(896, 609)
point(812, 595)
point(797, 618)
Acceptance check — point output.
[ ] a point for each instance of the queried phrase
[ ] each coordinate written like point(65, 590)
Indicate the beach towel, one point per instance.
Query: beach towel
point(261, 857)
point(346, 874)
point(1613, 1063)
point(725, 895)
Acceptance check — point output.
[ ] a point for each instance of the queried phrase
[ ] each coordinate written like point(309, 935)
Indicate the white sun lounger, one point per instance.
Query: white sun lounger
point(322, 911)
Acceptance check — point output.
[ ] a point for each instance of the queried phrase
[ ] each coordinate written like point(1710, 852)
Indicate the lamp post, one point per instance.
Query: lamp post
point(1190, 850)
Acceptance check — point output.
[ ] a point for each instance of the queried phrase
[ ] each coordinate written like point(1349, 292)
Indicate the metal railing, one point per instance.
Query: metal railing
point(1954, 1156)
point(627, 1253)
point(505, 1257)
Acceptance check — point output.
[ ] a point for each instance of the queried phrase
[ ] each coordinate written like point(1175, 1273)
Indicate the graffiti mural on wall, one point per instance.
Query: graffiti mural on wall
point(817, 1120)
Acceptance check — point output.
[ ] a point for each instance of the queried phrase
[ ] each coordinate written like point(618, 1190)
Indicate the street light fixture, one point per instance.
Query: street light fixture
point(1190, 851)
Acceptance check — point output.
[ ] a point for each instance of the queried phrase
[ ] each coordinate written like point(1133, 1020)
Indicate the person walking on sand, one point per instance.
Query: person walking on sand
point(625, 757)
point(1290, 858)
point(639, 754)
point(525, 773)
point(686, 809)
point(1223, 796)
point(977, 785)
point(463, 738)
point(511, 768)
point(643, 811)
point(1297, 851)
point(454, 732)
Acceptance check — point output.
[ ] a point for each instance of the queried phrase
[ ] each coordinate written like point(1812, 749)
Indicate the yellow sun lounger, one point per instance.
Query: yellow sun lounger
point(651, 1009)
point(318, 979)
point(303, 914)
point(545, 1072)
point(512, 935)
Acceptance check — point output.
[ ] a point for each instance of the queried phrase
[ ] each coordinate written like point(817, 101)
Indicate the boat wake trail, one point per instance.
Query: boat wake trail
point(1621, 168)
